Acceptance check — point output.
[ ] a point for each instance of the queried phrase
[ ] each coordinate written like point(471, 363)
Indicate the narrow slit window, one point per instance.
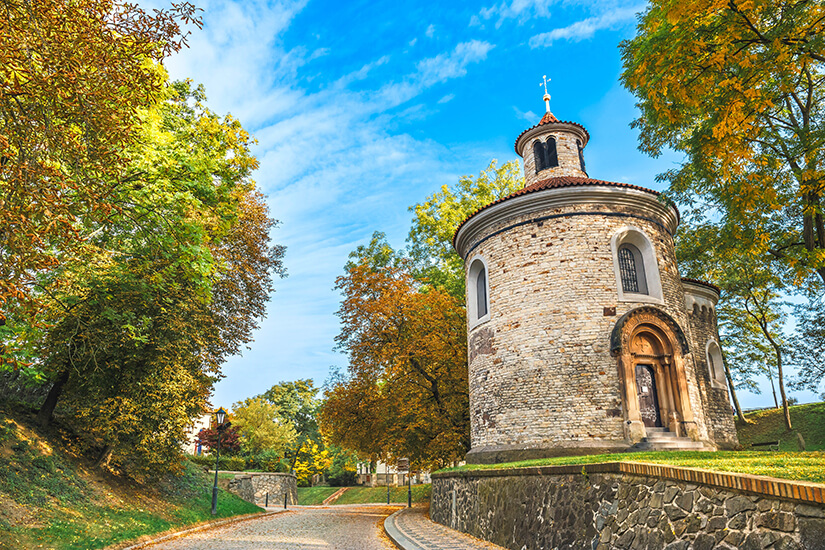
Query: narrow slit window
point(481, 293)
point(581, 155)
point(538, 156)
point(551, 153)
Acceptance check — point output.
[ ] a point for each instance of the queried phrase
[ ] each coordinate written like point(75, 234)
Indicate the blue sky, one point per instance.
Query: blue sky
point(363, 108)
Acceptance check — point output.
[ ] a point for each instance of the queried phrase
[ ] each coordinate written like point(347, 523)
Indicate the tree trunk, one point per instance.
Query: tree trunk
point(104, 457)
point(735, 399)
point(44, 416)
point(778, 352)
point(773, 388)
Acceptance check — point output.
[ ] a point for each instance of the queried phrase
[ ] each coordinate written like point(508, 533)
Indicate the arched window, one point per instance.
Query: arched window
point(478, 292)
point(716, 368)
point(632, 269)
point(545, 154)
point(635, 266)
point(581, 155)
point(481, 293)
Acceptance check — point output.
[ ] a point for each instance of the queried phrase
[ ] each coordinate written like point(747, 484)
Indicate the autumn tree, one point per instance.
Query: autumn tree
point(738, 87)
point(167, 287)
point(296, 403)
point(405, 392)
point(74, 78)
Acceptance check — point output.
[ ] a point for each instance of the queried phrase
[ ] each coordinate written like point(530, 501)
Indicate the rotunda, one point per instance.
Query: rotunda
point(582, 337)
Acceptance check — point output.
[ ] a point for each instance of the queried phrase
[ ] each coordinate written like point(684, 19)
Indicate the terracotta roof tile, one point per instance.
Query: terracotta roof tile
point(555, 183)
point(703, 283)
point(550, 118)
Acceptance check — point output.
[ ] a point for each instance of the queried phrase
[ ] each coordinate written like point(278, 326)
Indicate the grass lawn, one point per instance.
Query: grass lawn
point(769, 425)
point(808, 466)
point(314, 495)
point(365, 495)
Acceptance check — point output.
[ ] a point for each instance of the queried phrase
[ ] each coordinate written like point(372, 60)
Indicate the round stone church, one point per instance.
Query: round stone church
point(582, 337)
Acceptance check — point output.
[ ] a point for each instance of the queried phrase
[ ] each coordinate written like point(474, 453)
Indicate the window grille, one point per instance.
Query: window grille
point(627, 270)
point(481, 294)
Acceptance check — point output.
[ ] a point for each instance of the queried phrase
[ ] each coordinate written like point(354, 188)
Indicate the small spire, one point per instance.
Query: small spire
point(546, 95)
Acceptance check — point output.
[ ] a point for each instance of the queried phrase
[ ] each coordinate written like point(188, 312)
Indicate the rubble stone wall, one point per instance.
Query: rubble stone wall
point(624, 505)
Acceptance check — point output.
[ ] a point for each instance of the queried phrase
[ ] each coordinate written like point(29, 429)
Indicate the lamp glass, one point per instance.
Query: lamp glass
point(220, 416)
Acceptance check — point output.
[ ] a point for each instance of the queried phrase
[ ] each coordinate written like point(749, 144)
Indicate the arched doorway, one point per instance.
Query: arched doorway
point(650, 348)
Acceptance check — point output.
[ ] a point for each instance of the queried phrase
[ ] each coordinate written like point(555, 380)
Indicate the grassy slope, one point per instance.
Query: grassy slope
point(363, 495)
point(314, 495)
point(769, 425)
point(809, 420)
point(50, 499)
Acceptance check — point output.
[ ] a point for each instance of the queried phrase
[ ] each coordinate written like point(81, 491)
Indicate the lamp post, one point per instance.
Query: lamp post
point(220, 416)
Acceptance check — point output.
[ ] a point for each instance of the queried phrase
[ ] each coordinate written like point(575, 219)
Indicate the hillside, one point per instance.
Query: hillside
point(769, 425)
point(52, 498)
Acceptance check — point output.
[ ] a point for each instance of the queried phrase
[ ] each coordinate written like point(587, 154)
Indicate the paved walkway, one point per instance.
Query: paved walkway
point(411, 529)
point(300, 528)
point(337, 527)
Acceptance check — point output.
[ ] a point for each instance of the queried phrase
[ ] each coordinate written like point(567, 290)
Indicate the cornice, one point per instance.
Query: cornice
point(644, 203)
point(549, 128)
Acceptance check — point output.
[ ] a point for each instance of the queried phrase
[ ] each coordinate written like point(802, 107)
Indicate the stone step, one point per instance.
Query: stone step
point(680, 443)
point(657, 429)
point(661, 435)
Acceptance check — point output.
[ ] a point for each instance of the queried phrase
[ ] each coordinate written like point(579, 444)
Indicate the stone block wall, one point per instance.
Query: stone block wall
point(568, 154)
point(632, 506)
point(254, 486)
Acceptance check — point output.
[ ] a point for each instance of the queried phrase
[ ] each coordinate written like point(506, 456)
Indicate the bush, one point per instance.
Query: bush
point(343, 478)
point(233, 463)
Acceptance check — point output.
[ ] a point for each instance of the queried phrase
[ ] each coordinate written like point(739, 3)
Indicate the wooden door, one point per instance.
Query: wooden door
point(648, 401)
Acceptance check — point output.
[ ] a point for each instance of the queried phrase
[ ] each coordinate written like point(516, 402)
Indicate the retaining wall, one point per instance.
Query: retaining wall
point(630, 506)
point(254, 486)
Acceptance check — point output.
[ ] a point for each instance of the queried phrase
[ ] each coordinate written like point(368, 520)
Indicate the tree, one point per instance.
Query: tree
point(74, 78)
point(738, 87)
point(751, 317)
point(296, 404)
point(137, 326)
point(809, 344)
point(406, 391)
point(230, 439)
point(260, 427)
point(437, 218)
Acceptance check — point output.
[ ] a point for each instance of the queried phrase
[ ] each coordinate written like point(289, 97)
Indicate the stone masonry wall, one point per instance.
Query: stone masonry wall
point(255, 488)
point(568, 154)
point(540, 370)
point(594, 508)
point(716, 401)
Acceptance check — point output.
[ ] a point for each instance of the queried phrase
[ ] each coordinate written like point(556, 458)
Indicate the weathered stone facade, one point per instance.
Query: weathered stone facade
point(598, 507)
point(545, 376)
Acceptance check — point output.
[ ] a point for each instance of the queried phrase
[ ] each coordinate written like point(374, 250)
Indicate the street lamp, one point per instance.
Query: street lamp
point(220, 417)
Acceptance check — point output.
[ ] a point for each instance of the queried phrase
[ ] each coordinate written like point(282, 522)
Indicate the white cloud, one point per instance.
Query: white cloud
point(520, 10)
point(413, 42)
point(430, 31)
point(581, 30)
point(529, 116)
point(447, 98)
point(445, 66)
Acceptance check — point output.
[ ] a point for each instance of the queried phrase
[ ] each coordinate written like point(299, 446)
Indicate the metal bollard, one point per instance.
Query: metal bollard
point(267, 500)
point(285, 495)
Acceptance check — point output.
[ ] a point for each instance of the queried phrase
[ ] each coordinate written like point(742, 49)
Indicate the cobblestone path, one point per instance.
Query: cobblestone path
point(427, 535)
point(300, 528)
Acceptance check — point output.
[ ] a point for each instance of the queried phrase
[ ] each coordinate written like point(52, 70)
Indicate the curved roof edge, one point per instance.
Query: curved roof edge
point(549, 120)
point(703, 283)
point(557, 183)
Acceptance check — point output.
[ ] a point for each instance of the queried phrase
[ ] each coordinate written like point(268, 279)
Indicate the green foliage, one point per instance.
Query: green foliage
point(437, 218)
point(342, 472)
point(260, 426)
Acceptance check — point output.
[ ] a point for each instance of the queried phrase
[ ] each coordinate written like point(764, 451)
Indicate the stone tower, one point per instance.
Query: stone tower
point(582, 336)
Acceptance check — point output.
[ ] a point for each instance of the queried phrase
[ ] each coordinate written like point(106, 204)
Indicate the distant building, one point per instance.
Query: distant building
point(387, 474)
point(582, 337)
point(200, 423)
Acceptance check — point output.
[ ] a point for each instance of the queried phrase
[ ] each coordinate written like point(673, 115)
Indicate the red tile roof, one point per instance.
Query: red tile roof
point(550, 118)
point(555, 183)
point(703, 283)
